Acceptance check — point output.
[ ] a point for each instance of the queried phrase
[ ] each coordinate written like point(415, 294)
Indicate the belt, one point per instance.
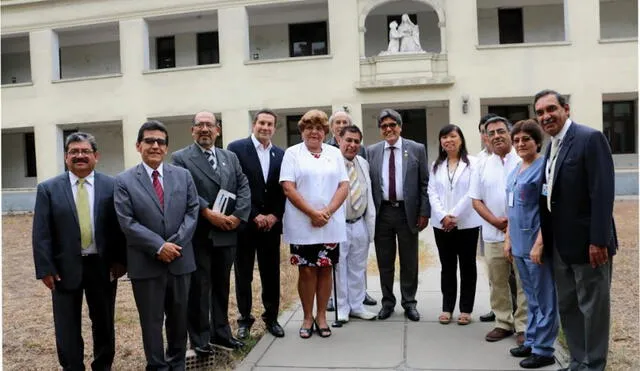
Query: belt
point(351, 221)
point(393, 203)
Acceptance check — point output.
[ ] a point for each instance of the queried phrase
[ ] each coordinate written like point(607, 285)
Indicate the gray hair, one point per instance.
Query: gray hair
point(506, 122)
point(80, 136)
point(336, 113)
point(388, 112)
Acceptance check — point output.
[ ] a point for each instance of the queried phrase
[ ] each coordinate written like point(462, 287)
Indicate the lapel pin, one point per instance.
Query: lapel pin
point(223, 164)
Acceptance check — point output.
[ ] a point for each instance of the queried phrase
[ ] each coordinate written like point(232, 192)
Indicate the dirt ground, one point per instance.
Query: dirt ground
point(29, 342)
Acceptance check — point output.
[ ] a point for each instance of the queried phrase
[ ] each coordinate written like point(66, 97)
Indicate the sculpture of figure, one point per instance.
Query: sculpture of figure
point(394, 38)
point(410, 33)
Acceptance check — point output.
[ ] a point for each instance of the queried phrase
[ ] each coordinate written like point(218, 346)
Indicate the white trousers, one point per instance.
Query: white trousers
point(350, 273)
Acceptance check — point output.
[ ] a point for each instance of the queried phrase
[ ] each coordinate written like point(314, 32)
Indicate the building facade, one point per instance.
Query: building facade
point(105, 67)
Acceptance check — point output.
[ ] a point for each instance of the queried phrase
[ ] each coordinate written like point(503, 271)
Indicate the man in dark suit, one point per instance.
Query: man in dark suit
point(260, 161)
point(399, 178)
point(78, 247)
point(576, 211)
point(213, 169)
point(157, 206)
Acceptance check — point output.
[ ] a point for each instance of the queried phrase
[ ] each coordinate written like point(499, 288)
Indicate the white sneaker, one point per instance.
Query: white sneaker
point(364, 314)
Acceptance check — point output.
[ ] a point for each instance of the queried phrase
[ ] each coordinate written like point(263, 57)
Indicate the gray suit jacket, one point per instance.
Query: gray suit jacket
point(228, 176)
point(415, 179)
point(147, 226)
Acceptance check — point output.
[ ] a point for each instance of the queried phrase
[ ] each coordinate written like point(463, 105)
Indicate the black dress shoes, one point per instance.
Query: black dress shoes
point(275, 329)
point(537, 361)
point(368, 300)
point(228, 344)
point(385, 313)
point(330, 306)
point(412, 314)
point(520, 351)
point(204, 351)
point(243, 332)
point(489, 317)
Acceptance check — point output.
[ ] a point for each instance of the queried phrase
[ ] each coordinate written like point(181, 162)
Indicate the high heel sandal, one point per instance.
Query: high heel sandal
point(322, 332)
point(306, 333)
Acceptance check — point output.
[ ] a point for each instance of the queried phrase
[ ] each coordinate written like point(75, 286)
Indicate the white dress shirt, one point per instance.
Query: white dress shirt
point(89, 185)
point(489, 185)
point(149, 171)
point(316, 180)
point(452, 198)
point(559, 136)
point(264, 155)
point(397, 152)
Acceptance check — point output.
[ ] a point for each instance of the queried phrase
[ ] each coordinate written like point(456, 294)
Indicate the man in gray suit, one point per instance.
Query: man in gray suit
point(213, 170)
point(399, 178)
point(157, 207)
point(78, 248)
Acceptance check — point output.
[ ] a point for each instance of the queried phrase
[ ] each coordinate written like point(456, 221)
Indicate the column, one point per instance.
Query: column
point(45, 56)
point(236, 124)
point(134, 47)
point(49, 153)
point(354, 109)
point(233, 33)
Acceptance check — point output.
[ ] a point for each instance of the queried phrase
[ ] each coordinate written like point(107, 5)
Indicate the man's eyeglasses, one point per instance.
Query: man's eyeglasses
point(209, 125)
point(391, 125)
point(160, 141)
point(493, 133)
point(76, 152)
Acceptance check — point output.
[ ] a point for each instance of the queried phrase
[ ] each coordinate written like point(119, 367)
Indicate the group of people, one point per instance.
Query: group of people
point(548, 218)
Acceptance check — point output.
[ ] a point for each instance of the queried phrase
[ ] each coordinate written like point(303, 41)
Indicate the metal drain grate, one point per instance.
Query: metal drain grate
point(194, 362)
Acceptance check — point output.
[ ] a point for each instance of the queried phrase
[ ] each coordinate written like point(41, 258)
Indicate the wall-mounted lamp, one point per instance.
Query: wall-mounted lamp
point(465, 103)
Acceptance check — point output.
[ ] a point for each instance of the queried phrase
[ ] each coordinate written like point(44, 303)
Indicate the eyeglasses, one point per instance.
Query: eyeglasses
point(209, 125)
point(160, 141)
point(391, 125)
point(76, 152)
point(493, 133)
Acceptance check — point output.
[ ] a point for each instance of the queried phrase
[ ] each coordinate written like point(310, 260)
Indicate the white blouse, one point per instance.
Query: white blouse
point(316, 180)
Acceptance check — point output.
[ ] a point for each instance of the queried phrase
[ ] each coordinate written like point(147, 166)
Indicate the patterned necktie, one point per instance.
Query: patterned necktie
point(212, 159)
point(555, 146)
point(355, 192)
point(392, 174)
point(84, 214)
point(158, 187)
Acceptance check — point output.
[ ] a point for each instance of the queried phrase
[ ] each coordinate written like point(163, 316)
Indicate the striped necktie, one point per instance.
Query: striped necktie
point(355, 191)
point(212, 159)
point(84, 214)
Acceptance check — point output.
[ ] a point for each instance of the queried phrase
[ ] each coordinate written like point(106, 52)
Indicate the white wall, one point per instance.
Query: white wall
point(541, 24)
point(376, 37)
point(618, 19)
point(110, 147)
point(16, 65)
point(269, 41)
point(14, 164)
point(90, 60)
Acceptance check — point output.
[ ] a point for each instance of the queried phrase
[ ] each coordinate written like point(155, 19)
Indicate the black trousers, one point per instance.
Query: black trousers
point(266, 245)
point(458, 245)
point(67, 318)
point(209, 294)
point(391, 223)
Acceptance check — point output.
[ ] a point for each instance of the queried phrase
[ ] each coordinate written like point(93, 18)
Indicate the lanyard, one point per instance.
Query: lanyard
point(452, 176)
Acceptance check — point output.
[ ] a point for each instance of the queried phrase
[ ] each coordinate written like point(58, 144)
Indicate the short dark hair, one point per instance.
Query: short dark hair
point(265, 111)
point(350, 129)
point(484, 119)
point(442, 154)
point(388, 112)
point(561, 99)
point(193, 119)
point(152, 125)
point(80, 136)
point(497, 118)
point(531, 127)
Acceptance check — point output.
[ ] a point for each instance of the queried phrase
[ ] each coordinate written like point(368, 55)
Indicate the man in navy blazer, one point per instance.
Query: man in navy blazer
point(577, 225)
point(79, 249)
point(260, 161)
point(157, 206)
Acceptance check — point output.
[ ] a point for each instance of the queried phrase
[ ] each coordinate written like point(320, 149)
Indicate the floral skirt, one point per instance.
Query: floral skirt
point(316, 255)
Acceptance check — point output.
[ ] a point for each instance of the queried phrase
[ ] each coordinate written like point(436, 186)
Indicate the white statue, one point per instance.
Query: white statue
point(404, 38)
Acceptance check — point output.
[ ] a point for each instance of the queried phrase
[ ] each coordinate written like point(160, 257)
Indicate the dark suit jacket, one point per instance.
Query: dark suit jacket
point(415, 179)
point(266, 198)
point(582, 196)
point(229, 177)
point(56, 232)
point(147, 226)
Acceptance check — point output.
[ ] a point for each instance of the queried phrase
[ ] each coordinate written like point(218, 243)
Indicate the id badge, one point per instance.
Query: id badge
point(510, 199)
point(545, 190)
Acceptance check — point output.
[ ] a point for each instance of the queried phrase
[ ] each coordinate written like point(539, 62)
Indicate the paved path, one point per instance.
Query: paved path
point(393, 344)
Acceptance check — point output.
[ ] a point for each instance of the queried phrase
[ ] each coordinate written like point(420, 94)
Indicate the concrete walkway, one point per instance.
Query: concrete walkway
point(396, 343)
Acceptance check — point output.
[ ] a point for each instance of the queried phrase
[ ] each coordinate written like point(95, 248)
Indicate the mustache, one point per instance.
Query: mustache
point(77, 160)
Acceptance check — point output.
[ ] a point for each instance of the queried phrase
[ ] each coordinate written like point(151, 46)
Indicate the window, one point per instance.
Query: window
point(30, 154)
point(512, 113)
point(618, 125)
point(208, 52)
point(166, 52)
point(293, 134)
point(510, 26)
point(307, 39)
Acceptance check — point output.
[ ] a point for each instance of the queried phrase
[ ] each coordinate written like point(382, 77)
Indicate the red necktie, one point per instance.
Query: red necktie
point(392, 174)
point(158, 187)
